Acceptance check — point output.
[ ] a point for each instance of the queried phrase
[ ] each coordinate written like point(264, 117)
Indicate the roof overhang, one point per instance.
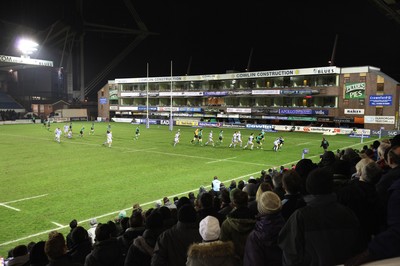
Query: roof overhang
point(8, 63)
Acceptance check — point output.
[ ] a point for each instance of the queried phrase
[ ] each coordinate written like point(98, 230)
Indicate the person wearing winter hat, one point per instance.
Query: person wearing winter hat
point(261, 244)
point(172, 245)
point(331, 229)
point(142, 248)
point(211, 251)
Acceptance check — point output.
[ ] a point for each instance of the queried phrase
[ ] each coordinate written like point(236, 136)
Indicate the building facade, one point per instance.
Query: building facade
point(362, 97)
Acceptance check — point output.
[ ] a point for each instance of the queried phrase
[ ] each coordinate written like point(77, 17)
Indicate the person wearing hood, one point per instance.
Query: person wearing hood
point(239, 223)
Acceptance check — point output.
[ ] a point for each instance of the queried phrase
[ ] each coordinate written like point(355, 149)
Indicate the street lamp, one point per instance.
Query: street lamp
point(27, 47)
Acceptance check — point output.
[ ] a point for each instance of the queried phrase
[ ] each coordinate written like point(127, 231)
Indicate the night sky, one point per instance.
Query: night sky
point(215, 36)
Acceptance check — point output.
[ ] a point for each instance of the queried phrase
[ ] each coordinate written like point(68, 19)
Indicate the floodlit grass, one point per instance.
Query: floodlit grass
point(44, 185)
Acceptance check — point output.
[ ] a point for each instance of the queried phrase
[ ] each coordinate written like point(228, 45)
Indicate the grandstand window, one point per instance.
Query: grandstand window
point(380, 87)
point(379, 111)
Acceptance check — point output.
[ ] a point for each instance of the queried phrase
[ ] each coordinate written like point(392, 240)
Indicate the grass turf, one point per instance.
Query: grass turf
point(44, 185)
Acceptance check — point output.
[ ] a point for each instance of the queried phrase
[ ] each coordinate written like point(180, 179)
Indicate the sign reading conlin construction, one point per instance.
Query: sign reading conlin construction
point(25, 60)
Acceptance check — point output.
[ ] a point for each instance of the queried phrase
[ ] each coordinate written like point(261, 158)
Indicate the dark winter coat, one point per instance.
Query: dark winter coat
point(322, 233)
point(142, 248)
point(172, 245)
point(215, 253)
point(236, 227)
point(362, 199)
point(386, 244)
point(290, 203)
point(262, 243)
point(79, 251)
point(106, 253)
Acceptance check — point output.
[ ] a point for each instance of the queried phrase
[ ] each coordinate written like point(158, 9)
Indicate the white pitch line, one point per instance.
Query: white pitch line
point(140, 150)
point(303, 143)
point(59, 225)
point(12, 208)
point(18, 200)
point(220, 160)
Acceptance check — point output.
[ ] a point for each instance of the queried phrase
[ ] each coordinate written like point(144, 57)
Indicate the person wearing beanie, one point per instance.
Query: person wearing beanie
point(239, 223)
point(142, 248)
point(211, 251)
point(322, 233)
point(261, 245)
point(172, 245)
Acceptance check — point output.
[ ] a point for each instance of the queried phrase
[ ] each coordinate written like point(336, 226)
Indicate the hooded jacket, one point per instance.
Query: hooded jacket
point(216, 253)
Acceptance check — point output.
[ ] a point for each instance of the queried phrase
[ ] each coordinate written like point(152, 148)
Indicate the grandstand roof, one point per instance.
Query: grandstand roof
point(8, 63)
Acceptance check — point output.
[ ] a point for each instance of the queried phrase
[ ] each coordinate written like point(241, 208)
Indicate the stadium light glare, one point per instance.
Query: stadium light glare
point(27, 47)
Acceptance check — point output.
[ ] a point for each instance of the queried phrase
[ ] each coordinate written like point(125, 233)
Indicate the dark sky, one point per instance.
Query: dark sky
point(219, 35)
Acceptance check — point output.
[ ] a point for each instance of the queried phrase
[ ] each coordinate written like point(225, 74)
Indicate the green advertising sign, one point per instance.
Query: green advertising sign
point(113, 94)
point(354, 90)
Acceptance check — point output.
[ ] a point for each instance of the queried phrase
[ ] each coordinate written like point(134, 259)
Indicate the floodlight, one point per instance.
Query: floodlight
point(27, 47)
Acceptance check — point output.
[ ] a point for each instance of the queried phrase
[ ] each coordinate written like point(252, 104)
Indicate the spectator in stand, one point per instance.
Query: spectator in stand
point(391, 176)
point(361, 197)
point(56, 250)
point(191, 197)
point(278, 188)
point(303, 168)
point(239, 223)
point(92, 230)
point(293, 199)
point(107, 250)
point(241, 184)
point(261, 245)
point(382, 161)
point(375, 145)
point(168, 203)
point(81, 245)
point(322, 233)
point(226, 206)
point(124, 224)
point(386, 244)
point(142, 248)
point(341, 170)
point(232, 185)
point(207, 208)
point(172, 245)
point(261, 188)
point(168, 220)
point(360, 167)
point(183, 201)
point(37, 256)
point(251, 190)
point(216, 185)
point(136, 228)
point(20, 256)
point(73, 224)
point(211, 251)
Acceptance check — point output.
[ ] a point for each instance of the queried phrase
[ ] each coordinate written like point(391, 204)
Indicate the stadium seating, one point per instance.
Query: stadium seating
point(8, 103)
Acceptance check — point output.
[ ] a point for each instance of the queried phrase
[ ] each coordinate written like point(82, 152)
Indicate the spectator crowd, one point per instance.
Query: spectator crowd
point(343, 210)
